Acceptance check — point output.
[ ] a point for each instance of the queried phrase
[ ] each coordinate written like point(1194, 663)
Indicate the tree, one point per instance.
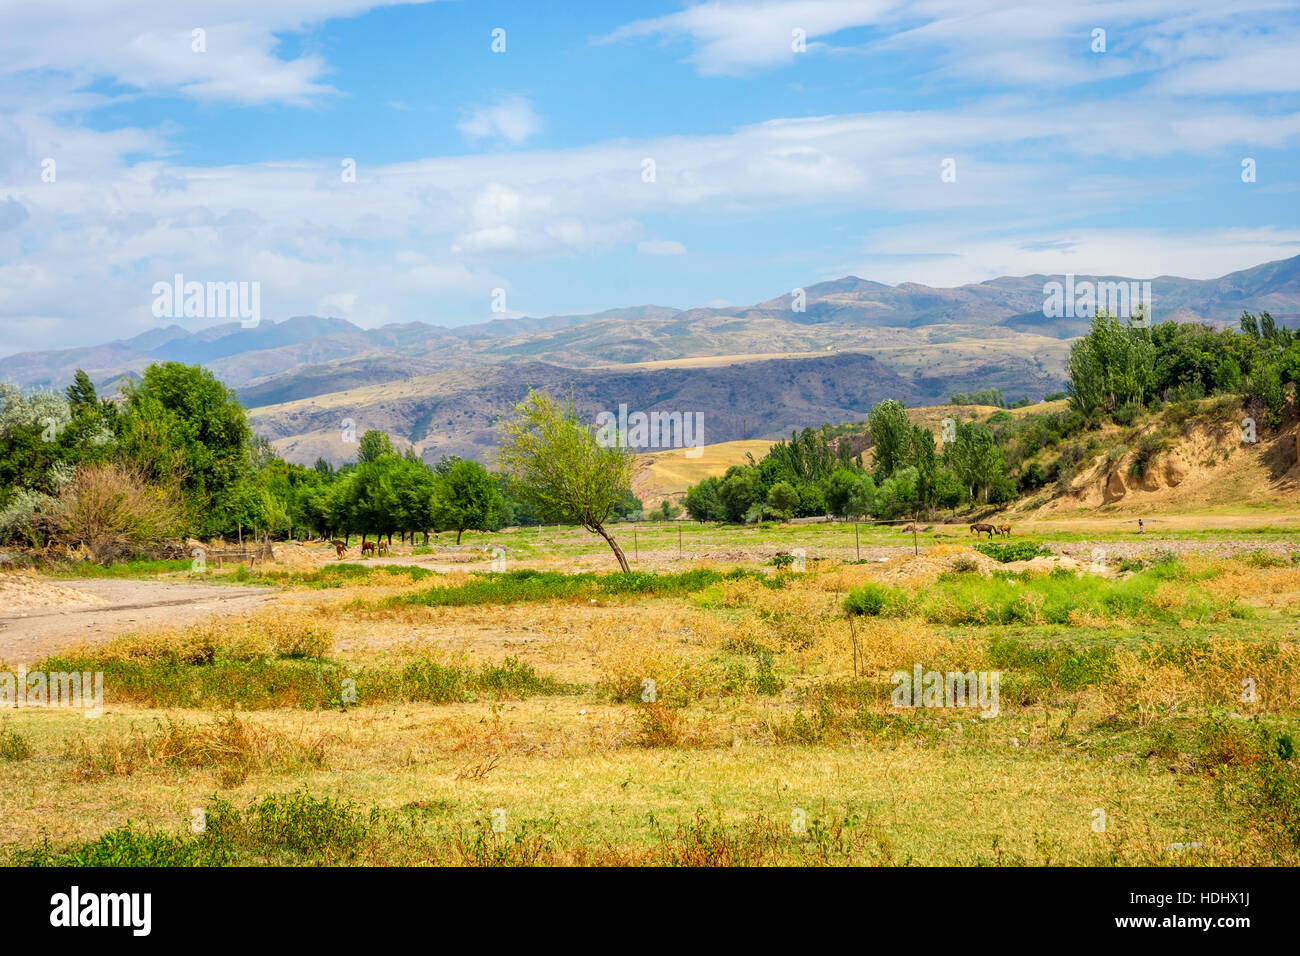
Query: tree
point(182, 425)
point(373, 445)
point(890, 436)
point(466, 498)
point(704, 502)
point(782, 500)
point(667, 510)
point(559, 469)
point(740, 490)
point(839, 490)
point(975, 459)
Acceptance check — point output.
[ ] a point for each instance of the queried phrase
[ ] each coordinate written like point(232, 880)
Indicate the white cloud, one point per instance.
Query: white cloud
point(1200, 47)
point(510, 118)
point(660, 247)
point(737, 37)
point(150, 46)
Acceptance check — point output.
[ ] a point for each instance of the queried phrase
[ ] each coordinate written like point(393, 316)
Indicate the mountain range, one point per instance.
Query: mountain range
point(753, 371)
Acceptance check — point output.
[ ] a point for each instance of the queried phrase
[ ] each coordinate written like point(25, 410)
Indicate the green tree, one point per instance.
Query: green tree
point(890, 436)
point(373, 445)
point(185, 427)
point(782, 500)
point(559, 469)
point(704, 501)
point(466, 498)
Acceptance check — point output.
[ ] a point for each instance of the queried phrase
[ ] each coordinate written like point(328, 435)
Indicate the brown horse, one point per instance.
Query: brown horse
point(367, 547)
point(340, 548)
point(981, 528)
point(1004, 530)
point(382, 549)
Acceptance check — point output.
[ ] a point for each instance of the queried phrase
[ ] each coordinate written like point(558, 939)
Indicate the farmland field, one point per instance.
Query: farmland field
point(513, 700)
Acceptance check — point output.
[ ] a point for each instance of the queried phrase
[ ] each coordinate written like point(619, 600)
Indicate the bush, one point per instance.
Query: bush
point(13, 745)
point(1013, 550)
point(114, 511)
point(872, 600)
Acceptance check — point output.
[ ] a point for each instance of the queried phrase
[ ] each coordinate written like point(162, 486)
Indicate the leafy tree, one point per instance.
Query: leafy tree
point(782, 500)
point(559, 468)
point(373, 445)
point(890, 436)
point(466, 498)
point(668, 510)
point(704, 501)
point(740, 490)
point(183, 425)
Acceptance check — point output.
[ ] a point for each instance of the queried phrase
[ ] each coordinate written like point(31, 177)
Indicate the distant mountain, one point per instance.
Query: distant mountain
point(455, 413)
point(440, 387)
point(840, 314)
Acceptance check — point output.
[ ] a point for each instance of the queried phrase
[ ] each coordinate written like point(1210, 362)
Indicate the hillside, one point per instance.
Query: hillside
point(454, 413)
point(751, 371)
point(1173, 464)
point(1192, 462)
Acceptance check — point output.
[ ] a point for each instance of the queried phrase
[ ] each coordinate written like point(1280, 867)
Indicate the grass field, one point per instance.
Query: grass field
point(715, 708)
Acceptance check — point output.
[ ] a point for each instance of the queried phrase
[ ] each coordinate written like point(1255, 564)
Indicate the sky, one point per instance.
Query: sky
point(436, 161)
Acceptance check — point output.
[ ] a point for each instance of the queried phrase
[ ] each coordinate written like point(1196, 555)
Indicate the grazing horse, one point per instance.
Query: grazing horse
point(981, 528)
point(340, 548)
point(367, 546)
point(382, 549)
point(1005, 530)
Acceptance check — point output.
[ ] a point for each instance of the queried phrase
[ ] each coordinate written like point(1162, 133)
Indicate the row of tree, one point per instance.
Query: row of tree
point(1118, 370)
point(175, 456)
point(813, 474)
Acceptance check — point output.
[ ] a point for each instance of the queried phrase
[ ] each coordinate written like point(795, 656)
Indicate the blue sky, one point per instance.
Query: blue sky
point(523, 170)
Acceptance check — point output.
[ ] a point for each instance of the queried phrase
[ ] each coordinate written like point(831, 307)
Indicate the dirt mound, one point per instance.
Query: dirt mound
point(936, 560)
point(23, 591)
point(1194, 464)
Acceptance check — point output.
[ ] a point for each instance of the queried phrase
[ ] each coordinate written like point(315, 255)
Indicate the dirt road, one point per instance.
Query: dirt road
point(28, 633)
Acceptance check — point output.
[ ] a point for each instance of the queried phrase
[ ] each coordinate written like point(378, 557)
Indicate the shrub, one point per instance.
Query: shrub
point(13, 745)
point(114, 511)
point(872, 600)
point(1013, 550)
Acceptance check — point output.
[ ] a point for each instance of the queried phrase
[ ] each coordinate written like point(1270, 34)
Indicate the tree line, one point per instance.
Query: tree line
point(1118, 371)
point(174, 456)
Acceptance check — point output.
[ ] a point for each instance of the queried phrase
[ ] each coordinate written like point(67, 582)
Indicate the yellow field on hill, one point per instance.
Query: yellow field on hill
point(668, 473)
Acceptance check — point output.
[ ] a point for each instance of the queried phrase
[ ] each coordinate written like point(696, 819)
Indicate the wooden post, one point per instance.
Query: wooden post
point(915, 550)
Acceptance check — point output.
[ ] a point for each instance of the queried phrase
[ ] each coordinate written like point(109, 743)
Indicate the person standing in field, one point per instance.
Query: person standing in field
point(1139, 525)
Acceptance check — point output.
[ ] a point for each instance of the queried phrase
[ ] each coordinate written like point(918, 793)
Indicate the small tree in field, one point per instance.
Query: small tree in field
point(466, 498)
point(559, 469)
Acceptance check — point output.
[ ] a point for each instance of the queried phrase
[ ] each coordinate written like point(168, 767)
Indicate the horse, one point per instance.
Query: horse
point(382, 549)
point(340, 548)
point(981, 528)
point(1005, 530)
point(367, 546)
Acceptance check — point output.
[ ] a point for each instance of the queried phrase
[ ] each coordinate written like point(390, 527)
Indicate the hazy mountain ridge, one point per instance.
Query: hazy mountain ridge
point(834, 310)
point(752, 371)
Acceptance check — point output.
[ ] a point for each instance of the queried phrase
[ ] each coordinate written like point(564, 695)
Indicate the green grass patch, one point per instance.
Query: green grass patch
point(518, 587)
point(309, 683)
